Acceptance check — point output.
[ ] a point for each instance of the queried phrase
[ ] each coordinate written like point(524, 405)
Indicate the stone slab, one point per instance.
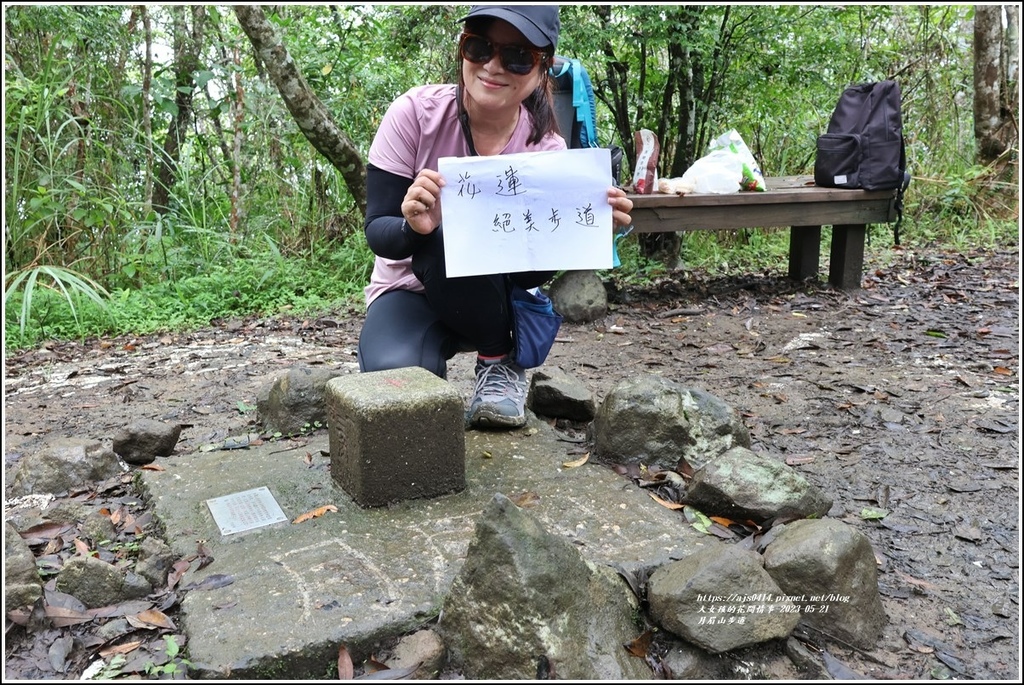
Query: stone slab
point(357, 576)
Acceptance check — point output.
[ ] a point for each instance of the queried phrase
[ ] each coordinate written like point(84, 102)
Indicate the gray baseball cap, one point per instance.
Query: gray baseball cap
point(539, 23)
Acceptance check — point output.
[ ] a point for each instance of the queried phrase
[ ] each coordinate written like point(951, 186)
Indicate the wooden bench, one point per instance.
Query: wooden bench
point(793, 202)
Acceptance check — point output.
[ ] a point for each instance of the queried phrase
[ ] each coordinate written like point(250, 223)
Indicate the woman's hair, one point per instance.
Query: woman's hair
point(539, 103)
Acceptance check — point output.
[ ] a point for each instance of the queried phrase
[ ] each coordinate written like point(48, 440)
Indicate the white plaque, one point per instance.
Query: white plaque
point(245, 510)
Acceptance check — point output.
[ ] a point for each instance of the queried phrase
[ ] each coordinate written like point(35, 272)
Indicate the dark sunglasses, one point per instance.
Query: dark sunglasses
point(516, 59)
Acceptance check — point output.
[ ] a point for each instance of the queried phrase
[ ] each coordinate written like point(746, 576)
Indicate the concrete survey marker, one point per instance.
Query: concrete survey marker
point(243, 511)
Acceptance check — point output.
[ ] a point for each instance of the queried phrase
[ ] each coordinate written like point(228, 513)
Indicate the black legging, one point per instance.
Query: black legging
point(405, 328)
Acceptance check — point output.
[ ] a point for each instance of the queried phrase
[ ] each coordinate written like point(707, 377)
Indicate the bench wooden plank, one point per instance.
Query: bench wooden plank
point(792, 202)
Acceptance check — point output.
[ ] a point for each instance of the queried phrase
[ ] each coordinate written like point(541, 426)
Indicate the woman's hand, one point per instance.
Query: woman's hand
point(422, 204)
point(621, 207)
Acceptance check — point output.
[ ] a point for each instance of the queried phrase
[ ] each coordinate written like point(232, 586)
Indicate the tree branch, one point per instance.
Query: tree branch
point(309, 112)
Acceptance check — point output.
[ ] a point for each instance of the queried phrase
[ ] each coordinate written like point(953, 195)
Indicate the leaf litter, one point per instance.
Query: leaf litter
point(956, 398)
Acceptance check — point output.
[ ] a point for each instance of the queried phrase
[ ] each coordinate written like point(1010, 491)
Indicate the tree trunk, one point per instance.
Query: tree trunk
point(147, 119)
point(309, 112)
point(994, 122)
point(187, 47)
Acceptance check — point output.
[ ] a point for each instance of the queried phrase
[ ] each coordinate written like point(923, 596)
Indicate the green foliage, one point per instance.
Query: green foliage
point(256, 284)
point(258, 222)
point(24, 287)
point(175, 665)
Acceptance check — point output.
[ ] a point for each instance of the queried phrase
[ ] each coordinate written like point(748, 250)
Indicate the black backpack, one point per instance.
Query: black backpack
point(864, 145)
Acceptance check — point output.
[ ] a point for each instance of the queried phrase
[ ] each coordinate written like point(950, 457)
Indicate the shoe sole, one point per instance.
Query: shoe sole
point(485, 419)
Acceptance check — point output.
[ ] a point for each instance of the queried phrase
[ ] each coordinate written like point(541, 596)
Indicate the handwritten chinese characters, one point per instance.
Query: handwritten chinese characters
point(531, 211)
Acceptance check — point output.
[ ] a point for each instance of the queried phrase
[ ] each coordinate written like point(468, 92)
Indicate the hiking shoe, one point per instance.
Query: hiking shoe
point(499, 398)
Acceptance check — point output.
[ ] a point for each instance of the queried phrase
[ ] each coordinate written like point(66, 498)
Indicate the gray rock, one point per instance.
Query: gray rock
point(687, 662)
point(642, 419)
point(68, 465)
point(720, 599)
point(19, 562)
point(156, 559)
point(653, 420)
point(832, 566)
point(135, 586)
point(422, 650)
point(294, 401)
point(98, 527)
point(715, 427)
point(91, 581)
point(557, 394)
point(18, 595)
point(144, 440)
point(579, 296)
point(809, 664)
point(526, 602)
point(742, 484)
point(114, 628)
point(22, 583)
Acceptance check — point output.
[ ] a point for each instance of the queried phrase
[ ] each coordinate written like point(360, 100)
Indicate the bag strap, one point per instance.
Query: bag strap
point(898, 204)
point(464, 121)
point(581, 100)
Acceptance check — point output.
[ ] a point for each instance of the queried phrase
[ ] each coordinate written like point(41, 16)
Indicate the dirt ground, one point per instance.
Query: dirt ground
point(900, 400)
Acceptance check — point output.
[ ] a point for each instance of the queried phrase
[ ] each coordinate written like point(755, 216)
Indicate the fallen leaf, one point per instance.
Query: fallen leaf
point(525, 499)
point(213, 582)
point(641, 645)
point(61, 617)
point(665, 503)
point(53, 547)
point(153, 467)
point(684, 468)
point(120, 649)
point(671, 477)
point(345, 668)
point(576, 462)
point(151, 618)
point(58, 653)
point(371, 665)
point(204, 555)
point(319, 511)
point(129, 608)
point(953, 662)
point(391, 673)
point(697, 519)
point(179, 569)
point(871, 514)
point(44, 532)
point(838, 670)
point(718, 530)
point(916, 581)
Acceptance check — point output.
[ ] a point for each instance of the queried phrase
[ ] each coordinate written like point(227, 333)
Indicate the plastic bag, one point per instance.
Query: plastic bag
point(718, 172)
point(752, 178)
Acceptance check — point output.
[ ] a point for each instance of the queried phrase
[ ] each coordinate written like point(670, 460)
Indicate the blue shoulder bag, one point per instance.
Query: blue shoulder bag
point(535, 325)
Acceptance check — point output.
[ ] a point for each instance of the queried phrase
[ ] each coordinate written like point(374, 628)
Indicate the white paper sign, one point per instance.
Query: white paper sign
point(530, 211)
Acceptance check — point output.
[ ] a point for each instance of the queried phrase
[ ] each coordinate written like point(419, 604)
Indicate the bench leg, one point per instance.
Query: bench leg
point(846, 260)
point(804, 251)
